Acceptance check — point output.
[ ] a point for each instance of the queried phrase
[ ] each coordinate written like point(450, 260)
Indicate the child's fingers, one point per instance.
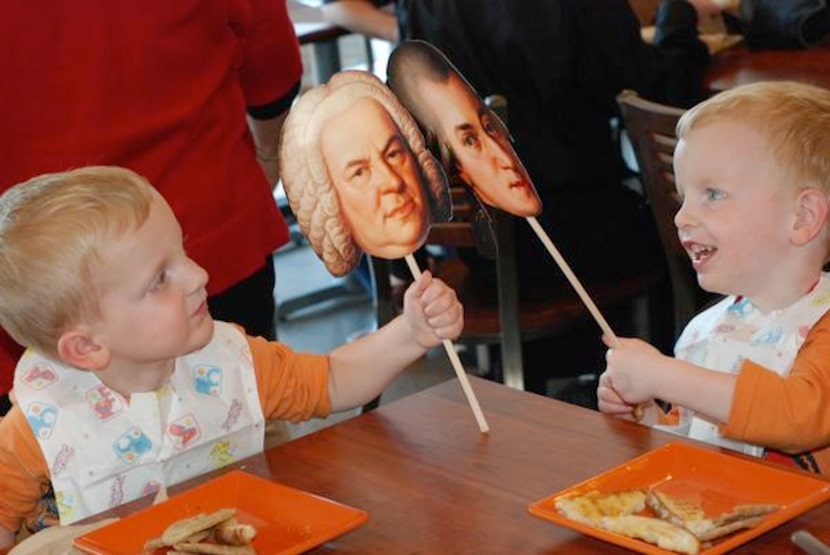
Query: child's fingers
point(435, 289)
point(607, 393)
point(438, 300)
point(450, 319)
point(611, 403)
point(417, 288)
point(449, 332)
point(617, 342)
point(448, 326)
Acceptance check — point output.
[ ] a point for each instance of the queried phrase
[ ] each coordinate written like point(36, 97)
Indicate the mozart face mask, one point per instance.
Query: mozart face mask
point(474, 142)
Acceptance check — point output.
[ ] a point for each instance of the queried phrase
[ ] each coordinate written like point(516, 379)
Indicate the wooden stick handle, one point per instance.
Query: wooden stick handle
point(566, 269)
point(637, 411)
point(456, 362)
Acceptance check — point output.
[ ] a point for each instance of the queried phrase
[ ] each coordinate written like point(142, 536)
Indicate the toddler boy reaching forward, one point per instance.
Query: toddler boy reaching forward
point(752, 372)
point(128, 384)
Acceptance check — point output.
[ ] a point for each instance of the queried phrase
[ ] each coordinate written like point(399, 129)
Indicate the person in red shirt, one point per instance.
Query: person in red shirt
point(163, 89)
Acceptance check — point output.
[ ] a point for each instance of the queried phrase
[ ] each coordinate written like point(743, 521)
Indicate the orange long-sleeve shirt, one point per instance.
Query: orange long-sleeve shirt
point(789, 414)
point(292, 386)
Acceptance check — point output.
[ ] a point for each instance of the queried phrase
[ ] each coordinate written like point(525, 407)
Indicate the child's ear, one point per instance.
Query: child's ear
point(812, 210)
point(79, 349)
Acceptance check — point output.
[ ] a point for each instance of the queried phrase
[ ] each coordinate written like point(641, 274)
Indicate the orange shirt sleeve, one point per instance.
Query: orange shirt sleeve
point(790, 413)
point(292, 386)
point(23, 470)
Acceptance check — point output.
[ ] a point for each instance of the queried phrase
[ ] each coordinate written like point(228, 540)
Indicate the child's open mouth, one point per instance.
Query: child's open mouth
point(699, 253)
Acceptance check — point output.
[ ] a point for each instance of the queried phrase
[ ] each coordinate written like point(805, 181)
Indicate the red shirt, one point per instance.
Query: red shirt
point(160, 87)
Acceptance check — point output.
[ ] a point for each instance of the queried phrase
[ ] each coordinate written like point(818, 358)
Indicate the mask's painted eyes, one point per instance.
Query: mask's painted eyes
point(395, 154)
point(358, 172)
point(470, 140)
point(488, 123)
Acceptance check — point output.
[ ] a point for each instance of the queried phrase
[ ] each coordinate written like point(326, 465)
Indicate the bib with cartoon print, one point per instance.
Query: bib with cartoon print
point(734, 330)
point(103, 451)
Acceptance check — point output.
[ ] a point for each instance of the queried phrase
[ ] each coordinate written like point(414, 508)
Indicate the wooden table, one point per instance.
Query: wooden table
point(739, 66)
point(433, 484)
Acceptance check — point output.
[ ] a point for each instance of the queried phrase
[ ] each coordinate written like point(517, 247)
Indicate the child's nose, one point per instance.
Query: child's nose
point(683, 216)
point(197, 276)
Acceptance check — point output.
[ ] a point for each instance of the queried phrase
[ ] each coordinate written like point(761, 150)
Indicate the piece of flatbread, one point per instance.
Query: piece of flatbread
point(214, 549)
point(183, 529)
point(232, 532)
point(690, 516)
point(680, 512)
point(746, 511)
point(591, 507)
point(662, 533)
point(720, 531)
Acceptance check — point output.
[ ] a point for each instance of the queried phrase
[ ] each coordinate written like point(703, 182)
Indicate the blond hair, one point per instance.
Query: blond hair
point(307, 183)
point(51, 230)
point(793, 117)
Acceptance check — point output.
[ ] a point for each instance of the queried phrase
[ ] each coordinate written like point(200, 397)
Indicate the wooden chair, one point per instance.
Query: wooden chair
point(651, 129)
point(645, 10)
point(499, 317)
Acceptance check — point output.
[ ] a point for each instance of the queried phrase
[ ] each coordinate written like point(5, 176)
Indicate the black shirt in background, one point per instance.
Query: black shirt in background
point(561, 64)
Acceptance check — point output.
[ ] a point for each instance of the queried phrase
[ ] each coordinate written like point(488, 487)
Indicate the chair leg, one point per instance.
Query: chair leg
point(640, 317)
point(483, 362)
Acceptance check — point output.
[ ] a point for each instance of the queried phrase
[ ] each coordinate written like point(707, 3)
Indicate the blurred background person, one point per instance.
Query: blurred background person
point(778, 23)
point(373, 18)
point(190, 94)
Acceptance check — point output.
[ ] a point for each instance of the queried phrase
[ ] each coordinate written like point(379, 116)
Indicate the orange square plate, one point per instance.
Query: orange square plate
point(287, 520)
point(715, 481)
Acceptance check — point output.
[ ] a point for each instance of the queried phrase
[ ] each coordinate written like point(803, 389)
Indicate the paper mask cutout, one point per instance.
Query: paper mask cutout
point(473, 141)
point(357, 173)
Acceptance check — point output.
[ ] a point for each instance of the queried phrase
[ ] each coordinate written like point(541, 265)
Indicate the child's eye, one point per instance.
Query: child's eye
point(159, 281)
point(715, 194)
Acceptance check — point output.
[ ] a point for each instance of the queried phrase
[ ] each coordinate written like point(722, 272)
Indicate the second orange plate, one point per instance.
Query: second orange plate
point(287, 520)
point(713, 480)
